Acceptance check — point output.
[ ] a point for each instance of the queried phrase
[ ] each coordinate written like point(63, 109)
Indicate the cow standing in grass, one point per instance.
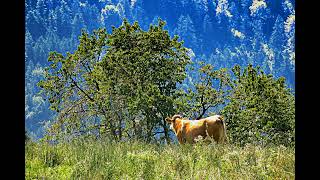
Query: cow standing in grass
point(189, 131)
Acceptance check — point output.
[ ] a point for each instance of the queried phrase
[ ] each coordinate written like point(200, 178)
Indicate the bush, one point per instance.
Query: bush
point(261, 109)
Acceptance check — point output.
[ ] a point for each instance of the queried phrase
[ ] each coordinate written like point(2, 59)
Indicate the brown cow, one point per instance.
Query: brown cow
point(189, 130)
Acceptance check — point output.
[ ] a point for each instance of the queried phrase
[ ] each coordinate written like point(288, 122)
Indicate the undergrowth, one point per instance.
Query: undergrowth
point(87, 159)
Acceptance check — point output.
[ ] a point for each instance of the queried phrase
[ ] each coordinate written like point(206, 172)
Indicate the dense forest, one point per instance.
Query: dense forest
point(221, 60)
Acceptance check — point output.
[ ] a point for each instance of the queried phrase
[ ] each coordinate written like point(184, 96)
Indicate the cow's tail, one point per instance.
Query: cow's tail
point(224, 139)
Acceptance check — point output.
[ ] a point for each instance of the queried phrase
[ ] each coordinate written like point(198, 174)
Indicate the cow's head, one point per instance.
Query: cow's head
point(172, 121)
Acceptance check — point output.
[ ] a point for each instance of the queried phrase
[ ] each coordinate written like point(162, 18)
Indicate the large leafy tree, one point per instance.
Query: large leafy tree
point(119, 85)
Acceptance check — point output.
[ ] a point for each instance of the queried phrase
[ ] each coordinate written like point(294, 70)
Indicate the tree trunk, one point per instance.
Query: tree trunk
point(166, 132)
point(120, 129)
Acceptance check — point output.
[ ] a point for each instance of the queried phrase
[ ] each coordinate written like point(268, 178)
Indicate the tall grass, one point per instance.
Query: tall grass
point(85, 159)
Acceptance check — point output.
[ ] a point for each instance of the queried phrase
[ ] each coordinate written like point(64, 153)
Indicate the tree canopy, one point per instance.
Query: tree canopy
point(261, 108)
point(120, 84)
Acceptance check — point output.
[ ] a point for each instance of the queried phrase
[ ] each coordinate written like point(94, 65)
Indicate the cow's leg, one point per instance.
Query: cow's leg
point(209, 137)
point(180, 137)
point(181, 140)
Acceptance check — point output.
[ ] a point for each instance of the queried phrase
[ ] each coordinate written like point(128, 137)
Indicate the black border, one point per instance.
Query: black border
point(12, 76)
point(13, 83)
point(306, 82)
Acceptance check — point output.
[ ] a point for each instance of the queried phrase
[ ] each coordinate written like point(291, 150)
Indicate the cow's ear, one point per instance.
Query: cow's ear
point(168, 120)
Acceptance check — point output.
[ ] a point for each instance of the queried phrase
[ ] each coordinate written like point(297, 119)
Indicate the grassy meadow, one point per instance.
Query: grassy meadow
point(85, 159)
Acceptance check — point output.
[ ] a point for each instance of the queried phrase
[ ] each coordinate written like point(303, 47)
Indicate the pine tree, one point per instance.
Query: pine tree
point(186, 30)
point(277, 43)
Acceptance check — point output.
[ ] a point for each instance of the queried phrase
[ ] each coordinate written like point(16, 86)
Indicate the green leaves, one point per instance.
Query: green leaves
point(208, 93)
point(115, 78)
point(267, 105)
point(123, 85)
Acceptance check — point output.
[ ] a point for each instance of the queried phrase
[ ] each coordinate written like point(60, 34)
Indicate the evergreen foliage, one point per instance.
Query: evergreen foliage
point(261, 109)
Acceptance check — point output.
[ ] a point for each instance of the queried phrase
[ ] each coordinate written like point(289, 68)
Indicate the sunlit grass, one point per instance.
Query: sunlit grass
point(87, 159)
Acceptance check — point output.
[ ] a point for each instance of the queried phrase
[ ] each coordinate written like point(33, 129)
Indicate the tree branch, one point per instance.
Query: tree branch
point(157, 133)
point(75, 83)
point(202, 103)
point(90, 71)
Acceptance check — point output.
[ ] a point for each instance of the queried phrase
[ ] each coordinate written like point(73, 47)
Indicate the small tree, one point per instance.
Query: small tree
point(207, 94)
point(261, 108)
